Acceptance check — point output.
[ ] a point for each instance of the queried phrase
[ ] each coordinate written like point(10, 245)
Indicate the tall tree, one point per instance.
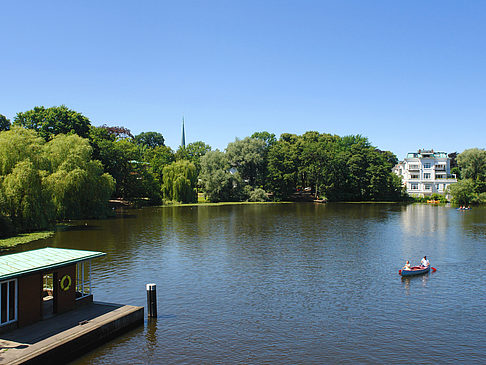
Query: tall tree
point(149, 139)
point(193, 152)
point(4, 123)
point(248, 157)
point(179, 182)
point(79, 186)
point(472, 163)
point(52, 121)
point(219, 183)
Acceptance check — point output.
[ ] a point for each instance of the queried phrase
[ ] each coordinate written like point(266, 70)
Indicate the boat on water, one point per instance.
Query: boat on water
point(415, 270)
point(469, 208)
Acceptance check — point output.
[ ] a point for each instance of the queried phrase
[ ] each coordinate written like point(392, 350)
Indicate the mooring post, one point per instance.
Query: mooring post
point(151, 300)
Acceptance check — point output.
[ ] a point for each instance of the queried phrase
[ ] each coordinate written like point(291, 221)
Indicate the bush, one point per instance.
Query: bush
point(6, 227)
point(258, 195)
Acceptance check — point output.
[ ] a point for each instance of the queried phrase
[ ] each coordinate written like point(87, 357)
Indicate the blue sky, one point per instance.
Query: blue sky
point(405, 74)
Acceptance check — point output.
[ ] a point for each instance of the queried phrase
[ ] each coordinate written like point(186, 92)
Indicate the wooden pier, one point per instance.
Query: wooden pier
point(66, 336)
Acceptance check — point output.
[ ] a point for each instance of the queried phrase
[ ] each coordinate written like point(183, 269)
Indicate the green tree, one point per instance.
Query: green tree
point(462, 192)
point(131, 165)
point(149, 139)
point(26, 199)
point(52, 121)
point(193, 152)
point(283, 166)
point(179, 182)
point(19, 144)
point(79, 187)
point(247, 156)
point(219, 183)
point(4, 123)
point(472, 163)
point(158, 158)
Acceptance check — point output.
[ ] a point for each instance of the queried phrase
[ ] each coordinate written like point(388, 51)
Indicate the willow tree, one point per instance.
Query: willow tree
point(79, 187)
point(26, 198)
point(179, 182)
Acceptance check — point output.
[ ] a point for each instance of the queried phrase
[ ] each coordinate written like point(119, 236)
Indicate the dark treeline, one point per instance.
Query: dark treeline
point(55, 165)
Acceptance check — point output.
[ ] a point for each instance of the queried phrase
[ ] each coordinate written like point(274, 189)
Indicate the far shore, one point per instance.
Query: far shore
point(23, 238)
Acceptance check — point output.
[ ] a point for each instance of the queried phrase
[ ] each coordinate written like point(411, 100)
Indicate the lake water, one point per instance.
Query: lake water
point(291, 283)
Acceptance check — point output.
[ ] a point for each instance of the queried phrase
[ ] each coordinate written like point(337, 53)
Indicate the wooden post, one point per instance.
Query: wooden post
point(151, 300)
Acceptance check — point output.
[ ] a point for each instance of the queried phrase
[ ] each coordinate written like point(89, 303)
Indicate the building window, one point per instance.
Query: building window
point(426, 165)
point(427, 175)
point(440, 176)
point(439, 187)
point(428, 187)
point(413, 186)
point(8, 301)
point(83, 279)
point(414, 176)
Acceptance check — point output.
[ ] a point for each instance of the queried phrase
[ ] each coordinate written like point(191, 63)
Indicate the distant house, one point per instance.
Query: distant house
point(425, 172)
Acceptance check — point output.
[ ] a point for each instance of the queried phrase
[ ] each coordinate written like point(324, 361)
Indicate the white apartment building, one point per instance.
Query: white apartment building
point(425, 172)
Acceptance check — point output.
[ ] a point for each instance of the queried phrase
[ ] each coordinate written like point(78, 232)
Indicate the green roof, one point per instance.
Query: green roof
point(28, 262)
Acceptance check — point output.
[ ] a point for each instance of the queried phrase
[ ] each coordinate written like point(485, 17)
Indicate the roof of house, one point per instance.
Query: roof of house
point(48, 258)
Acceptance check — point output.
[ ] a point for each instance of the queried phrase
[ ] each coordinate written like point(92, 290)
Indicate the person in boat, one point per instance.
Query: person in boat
point(425, 262)
point(407, 266)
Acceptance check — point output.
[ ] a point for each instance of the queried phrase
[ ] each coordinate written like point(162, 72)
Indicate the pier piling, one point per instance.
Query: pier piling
point(151, 300)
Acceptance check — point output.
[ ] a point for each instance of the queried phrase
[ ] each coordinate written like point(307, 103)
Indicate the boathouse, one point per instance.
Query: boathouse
point(37, 284)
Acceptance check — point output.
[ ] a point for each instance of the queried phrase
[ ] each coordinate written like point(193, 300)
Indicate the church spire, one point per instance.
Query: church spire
point(183, 141)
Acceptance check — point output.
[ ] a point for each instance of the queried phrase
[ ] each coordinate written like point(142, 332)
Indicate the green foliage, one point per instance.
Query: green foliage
point(41, 182)
point(4, 123)
point(149, 139)
point(219, 184)
point(158, 158)
point(17, 145)
point(78, 184)
point(136, 168)
point(193, 153)
point(52, 121)
point(283, 163)
point(462, 192)
point(179, 182)
point(247, 156)
point(26, 199)
point(472, 163)
point(257, 195)
point(346, 168)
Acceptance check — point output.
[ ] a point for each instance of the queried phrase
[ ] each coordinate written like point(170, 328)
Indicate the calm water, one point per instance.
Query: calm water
point(292, 283)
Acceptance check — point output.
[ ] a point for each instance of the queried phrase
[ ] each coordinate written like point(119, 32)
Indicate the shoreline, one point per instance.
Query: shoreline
point(24, 238)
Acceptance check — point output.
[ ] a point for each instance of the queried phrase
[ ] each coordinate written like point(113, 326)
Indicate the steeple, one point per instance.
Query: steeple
point(183, 141)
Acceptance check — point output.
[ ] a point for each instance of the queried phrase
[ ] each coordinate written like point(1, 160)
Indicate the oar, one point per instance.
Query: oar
point(399, 272)
point(433, 269)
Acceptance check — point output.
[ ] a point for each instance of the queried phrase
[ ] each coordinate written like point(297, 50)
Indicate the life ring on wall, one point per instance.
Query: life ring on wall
point(65, 286)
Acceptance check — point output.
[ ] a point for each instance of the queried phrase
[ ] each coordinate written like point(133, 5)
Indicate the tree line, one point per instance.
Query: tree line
point(55, 165)
point(471, 174)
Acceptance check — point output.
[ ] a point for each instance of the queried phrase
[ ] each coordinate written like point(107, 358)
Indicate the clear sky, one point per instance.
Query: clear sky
point(405, 74)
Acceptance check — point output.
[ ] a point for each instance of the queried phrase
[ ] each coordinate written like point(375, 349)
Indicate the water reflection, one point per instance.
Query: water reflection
point(407, 281)
point(291, 283)
point(421, 219)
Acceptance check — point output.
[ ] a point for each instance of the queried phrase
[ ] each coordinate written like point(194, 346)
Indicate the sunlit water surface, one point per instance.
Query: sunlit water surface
point(291, 283)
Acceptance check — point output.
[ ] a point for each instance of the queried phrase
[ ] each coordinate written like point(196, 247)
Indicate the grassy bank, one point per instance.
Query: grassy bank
point(206, 204)
point(22, 238)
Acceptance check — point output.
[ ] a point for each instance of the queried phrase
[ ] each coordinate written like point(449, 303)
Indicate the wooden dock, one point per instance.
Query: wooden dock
point(65, 336)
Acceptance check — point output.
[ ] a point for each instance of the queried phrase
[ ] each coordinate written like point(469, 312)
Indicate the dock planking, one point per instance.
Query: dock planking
point(65, 336)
